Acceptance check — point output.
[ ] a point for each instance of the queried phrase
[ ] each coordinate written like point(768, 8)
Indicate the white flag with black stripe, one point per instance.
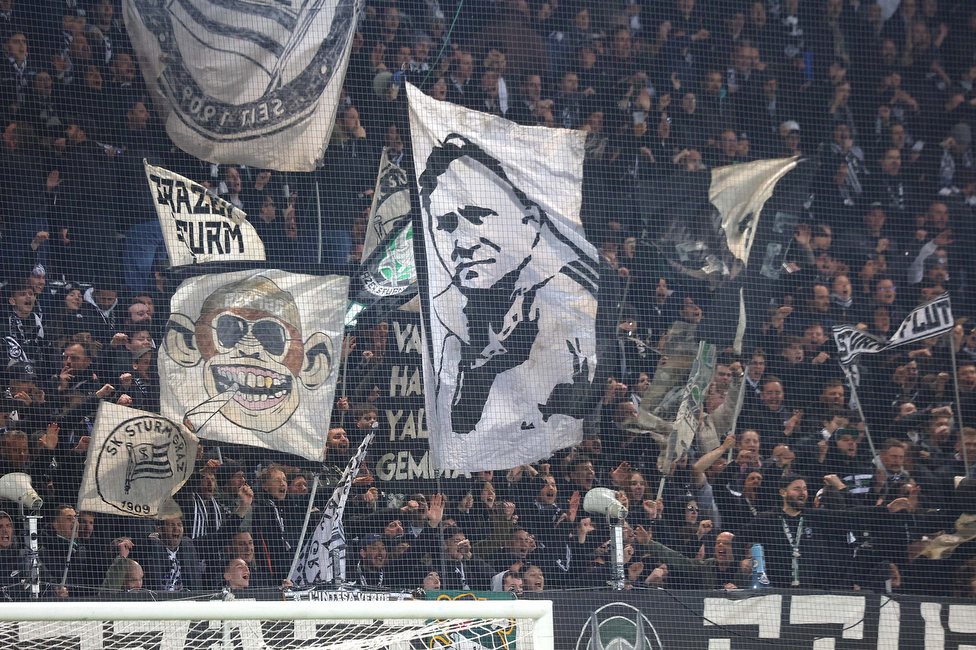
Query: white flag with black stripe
point(325, 553)
point(246, 82)
point(925, 321)
point(510, 296)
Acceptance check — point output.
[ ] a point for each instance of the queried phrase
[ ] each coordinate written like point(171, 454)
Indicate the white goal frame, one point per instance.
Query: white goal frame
point(540, 611)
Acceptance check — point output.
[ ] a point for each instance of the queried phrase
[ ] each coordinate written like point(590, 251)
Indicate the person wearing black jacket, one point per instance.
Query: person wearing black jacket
point(803, 547)
point(171, 562)
point(275, 523)
point(464, 570)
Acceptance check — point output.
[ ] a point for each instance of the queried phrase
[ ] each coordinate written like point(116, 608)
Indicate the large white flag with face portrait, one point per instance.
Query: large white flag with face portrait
point(252, 358)
point(253, 82)
point(510, 296)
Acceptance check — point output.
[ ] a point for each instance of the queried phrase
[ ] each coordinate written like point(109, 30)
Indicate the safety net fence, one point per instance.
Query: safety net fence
point(399, 297)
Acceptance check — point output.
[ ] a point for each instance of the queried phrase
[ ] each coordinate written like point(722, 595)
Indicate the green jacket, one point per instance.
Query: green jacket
point(704, 572)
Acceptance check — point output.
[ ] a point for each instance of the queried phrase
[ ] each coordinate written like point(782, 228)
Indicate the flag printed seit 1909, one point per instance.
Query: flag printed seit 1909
point(254, 83)
point(199, 226)
point(510, 296)
point(252, 358)
point(137, 461)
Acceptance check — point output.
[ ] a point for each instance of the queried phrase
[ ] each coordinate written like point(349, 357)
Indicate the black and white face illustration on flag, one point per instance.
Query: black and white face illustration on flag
point(511, 286)
point(249, 358)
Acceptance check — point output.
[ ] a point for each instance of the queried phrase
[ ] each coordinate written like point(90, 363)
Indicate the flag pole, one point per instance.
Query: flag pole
point(738, 406)
point(74, 528)
point(71, 547)
point(345, 363)
point(955, 387)
point(318, 203)
point(308, 515)
point(867, 433)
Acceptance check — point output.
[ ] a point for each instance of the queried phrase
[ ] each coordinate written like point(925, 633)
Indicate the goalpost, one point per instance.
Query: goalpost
point(266, 625)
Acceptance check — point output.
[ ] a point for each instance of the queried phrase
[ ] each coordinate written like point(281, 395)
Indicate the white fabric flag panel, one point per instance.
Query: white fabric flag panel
point(252, 358)
point(511, 286)
point(137, 461)
point(198, 226)
point(245, 82)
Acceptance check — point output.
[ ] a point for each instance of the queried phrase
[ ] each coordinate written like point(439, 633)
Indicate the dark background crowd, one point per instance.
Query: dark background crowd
point(877, 99)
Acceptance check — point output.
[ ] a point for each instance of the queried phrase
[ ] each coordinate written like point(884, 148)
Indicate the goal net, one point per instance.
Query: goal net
point(253, 625)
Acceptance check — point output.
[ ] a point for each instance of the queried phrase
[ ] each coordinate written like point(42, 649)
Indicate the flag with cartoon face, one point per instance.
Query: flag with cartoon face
point(251, 358)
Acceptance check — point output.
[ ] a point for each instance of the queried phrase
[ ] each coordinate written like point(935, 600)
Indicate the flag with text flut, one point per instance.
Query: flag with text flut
point(136, 462)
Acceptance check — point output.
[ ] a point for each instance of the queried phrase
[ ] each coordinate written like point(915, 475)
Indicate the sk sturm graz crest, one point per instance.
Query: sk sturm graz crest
point(245, 78)
point(139, 460)
point(618, 626)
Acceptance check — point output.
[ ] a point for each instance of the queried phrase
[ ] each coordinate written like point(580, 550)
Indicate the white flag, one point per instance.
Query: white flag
point(325, 552)
point(391, 205)
point(740, 192)
point(252, 358)
point(246, 82)
point(925, 321)
point(511, 290)
point(199, 226)
point(136, 462)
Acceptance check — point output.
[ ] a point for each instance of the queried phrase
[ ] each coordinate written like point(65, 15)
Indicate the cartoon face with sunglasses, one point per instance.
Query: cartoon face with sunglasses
point(249, 337)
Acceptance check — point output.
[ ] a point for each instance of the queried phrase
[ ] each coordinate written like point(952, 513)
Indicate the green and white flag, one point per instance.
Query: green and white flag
point(689, 418)
point(388, 271)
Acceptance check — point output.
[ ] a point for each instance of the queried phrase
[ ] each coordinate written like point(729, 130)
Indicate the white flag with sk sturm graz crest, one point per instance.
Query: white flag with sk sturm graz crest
point(136, 461)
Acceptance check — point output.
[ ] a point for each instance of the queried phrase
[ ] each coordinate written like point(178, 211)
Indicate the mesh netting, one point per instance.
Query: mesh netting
point(256, 634)
point(375, 293)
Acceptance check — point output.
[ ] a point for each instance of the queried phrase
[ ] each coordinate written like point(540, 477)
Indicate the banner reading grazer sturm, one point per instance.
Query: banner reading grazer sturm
point(925, 321)
point(326, 550)
point(511, 290)
point(245, 82)
point(137, 461)
point(199, 226)
point(252, 358)
point(388, 269)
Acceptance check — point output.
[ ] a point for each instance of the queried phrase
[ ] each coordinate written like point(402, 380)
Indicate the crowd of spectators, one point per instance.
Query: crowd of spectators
point(878, 98)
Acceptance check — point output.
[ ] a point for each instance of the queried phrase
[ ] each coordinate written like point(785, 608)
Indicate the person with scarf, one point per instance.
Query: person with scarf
point(27, 344)
point(101, 319)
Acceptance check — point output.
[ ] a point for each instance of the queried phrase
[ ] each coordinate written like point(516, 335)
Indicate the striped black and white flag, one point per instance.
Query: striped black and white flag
point(929, 319)
point(246, 81)
point(324, 555)
point(509, 291)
